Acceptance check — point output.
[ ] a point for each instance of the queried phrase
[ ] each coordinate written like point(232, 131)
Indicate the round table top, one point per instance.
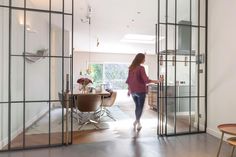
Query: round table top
point(228, 128)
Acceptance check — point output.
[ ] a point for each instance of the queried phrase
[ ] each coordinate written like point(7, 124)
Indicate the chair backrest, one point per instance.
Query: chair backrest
point(108, 102)
point(88, 102)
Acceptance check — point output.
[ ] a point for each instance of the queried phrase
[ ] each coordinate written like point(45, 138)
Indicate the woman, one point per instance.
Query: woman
point(137, 80)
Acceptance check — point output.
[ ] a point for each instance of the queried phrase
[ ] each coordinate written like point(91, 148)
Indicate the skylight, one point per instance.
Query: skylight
point(139, 38)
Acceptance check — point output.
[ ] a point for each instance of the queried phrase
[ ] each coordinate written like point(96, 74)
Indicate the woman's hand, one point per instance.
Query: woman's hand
point(128, 93)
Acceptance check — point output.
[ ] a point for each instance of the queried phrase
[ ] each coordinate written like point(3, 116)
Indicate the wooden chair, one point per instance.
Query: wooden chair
point(109, 102)
point(232, 142)
point(87, 104)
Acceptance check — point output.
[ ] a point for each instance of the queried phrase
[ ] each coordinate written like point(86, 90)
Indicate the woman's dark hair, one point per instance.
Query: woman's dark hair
point(139, 58)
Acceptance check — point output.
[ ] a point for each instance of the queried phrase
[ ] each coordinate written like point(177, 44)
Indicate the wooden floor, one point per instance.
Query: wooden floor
point(122, 141)
point(199, 145)
point(121, 130)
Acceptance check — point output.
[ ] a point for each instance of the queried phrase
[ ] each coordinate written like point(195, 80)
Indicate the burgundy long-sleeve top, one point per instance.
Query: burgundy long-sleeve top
point(137, 80)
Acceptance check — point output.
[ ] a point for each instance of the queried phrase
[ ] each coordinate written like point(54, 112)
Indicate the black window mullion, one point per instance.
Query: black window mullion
point(190, 70)
point(206, 71)
point(63, 55)
point(71, 76)
point(50, 65)
point(175, 66)
point(9, 76)
point(158, 69)
point(198, 67)
point(24, 73)
point(166, 70)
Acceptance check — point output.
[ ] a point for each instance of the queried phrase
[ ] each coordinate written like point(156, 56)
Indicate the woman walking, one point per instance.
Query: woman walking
point(137, 81)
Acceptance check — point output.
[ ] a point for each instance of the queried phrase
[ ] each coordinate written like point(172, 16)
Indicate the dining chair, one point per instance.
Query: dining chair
point(107, 103)
point(87, 104)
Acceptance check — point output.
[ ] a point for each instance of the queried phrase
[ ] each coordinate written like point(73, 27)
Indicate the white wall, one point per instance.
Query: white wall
point(81, 59)
point(221, 64)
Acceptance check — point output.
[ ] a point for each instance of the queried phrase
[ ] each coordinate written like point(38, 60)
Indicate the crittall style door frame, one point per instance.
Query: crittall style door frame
point(65, 15)
point(181, 43)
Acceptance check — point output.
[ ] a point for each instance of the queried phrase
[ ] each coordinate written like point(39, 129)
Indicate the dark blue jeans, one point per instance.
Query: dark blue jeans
point(139, 99)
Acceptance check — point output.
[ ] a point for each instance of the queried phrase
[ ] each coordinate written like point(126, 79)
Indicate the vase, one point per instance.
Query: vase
point(84, 89)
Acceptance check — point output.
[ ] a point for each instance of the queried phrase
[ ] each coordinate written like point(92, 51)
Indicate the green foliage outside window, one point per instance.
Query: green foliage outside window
point(114, 74)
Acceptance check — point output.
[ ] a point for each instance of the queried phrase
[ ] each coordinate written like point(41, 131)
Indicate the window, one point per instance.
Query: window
point(113, 75)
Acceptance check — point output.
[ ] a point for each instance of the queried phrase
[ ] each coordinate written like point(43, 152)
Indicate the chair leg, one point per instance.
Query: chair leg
point(232, 153)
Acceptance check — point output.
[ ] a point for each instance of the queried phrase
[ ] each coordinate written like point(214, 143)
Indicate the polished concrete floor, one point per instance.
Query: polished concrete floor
point(200, 145)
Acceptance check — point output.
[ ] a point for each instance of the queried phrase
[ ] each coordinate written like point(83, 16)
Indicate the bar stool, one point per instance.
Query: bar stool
point(226, 129)
point(232, 142)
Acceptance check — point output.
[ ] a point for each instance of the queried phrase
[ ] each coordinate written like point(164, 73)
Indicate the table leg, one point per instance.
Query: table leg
point(101, 109)
point(232, 154)
point(221, 141)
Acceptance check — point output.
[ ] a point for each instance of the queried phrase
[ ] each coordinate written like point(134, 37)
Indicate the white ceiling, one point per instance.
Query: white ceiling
point(110, 21)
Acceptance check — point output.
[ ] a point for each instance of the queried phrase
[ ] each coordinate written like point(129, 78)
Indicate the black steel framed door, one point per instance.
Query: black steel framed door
point(182, 60)
point(36, 66)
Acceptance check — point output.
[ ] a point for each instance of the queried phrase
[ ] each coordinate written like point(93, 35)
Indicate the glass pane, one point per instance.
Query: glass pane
point(182, 78)
point(171, 39)
point(194, 79)
point(56, 78)
point(17, 79)
point(36, 4)
point(171, 11)
point(67, 74)
point(202, 114)
point(17, 3)
point(17, 32)
point(182, 115)
point(202, 70)
point(194, 114)
point(3, 126)
point(183, 10)
point(170, 79)
point(4, 38)
point(194, 43)
point(194, 12)
point(184, 38)
point(37, 30)
point(171, 115)
point(202, 77)
point(68, 35)
point(37, 80)
point(68, 6)
point(4, 2)
point(56, 5)
point(16, 125)
point(57, 122)
point(162, 40)
point(202, 12)
point(37, 124)
point(162, 11)
point(56, 35)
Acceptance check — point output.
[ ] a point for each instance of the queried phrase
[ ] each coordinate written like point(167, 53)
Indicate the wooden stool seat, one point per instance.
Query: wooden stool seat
point(227, 129)
point(232, 141)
